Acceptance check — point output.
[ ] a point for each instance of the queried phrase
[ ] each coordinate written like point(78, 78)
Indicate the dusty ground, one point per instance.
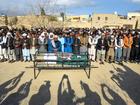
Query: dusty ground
point(109, 84)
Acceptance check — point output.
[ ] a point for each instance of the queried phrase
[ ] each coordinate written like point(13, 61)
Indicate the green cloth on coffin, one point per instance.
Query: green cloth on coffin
point(82, 57)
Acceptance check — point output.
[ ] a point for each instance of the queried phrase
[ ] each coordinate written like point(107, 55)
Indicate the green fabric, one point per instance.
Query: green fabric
point(82, 57)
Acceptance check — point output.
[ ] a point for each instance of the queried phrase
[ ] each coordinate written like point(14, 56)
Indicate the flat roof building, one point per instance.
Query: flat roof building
point(133, 14)
point(112, 21)
point(78, 18)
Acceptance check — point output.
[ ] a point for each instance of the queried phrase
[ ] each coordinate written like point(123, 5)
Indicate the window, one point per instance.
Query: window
point(106, 18)
point(76, 18)
point(99, 18)
point(133, 16)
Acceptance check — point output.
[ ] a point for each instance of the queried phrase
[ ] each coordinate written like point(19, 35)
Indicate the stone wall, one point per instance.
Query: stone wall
point(38, 21)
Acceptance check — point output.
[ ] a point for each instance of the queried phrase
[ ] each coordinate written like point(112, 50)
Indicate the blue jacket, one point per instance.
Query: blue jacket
point(68, 44)
point(58, 46)
point(50, 47)
point(62, 40)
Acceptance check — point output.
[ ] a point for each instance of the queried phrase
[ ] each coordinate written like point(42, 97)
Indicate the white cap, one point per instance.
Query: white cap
point(1, 30)
point(70, 30)
point(112, 36)
point(103, 34)
point(51, 34)
point(133, 32)
point(8, 33)
point(99, 32)
point(24, 34)
point(43, 33)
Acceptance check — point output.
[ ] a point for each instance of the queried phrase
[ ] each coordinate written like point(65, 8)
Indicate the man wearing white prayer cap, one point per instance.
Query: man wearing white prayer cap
point(51, 36)
point(24, 34)
point(56, 44)
point(43, 41)
point(50, 47)
point(25, 47)
point(10, 47)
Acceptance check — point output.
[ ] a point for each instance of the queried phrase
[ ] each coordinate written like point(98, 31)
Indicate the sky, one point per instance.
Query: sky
point(70, 7)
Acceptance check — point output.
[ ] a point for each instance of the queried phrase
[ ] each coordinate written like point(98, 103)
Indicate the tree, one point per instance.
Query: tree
point(136, 26)
point(90, 18)
point(42, 11)
point(52, 18)
point(13, 21)
point(47, 10)
point(6, 20)
point(62, 14)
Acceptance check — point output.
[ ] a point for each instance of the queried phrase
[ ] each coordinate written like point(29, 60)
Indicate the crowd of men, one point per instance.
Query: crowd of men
point(110, 45)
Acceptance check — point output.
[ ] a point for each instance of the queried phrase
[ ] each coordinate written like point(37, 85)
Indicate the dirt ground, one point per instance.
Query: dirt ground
point(109, 84)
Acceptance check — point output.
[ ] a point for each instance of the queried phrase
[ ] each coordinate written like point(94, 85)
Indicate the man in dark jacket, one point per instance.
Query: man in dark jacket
point(135, 48)
point(101, 49)
point(34, 45)
point(76, 45)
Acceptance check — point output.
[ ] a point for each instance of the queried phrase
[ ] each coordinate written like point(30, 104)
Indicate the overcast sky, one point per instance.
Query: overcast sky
point(73, 7)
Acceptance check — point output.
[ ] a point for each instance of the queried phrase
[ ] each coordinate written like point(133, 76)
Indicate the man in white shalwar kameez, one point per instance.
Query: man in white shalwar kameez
point(92, 50)
point(62, 40)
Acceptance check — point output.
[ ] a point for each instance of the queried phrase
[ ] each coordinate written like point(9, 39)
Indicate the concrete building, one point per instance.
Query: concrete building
point(133, 14)
point(79, 18)
point(112, 21)
point(81, 21)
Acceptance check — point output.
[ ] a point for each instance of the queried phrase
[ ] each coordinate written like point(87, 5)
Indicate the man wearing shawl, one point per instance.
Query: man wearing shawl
point(10, 47)
point(34, 45)
point(76, 44)
point(42, 41)
point(50, 47)
point(56, 44)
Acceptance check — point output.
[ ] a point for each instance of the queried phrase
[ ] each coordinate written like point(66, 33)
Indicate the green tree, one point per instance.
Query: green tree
point(62, 14)
point(13, 21)
point(6, 20)
point(136, 26)
point(42, 11)
point(52, 18)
